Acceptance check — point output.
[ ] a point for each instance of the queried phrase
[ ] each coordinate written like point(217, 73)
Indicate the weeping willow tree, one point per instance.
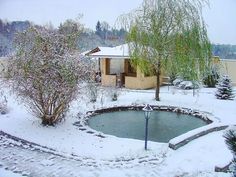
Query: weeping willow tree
point(170, 36)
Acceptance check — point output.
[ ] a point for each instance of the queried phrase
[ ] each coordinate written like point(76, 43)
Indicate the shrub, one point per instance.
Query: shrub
point(45, 72)
point(211, 77)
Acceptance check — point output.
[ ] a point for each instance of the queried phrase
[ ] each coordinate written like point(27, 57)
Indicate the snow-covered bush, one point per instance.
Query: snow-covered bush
point(46, 70)
point(224, 89)
point(177, 81)
point(186, 85)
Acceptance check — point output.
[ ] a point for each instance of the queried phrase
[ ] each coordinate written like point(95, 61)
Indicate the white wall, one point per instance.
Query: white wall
point(228, 67)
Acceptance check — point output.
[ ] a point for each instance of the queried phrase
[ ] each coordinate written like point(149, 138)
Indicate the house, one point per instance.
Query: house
point(228, 67)
point(116, 69)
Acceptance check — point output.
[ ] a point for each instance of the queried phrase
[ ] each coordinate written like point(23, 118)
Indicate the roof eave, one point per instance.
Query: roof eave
point(111, 56)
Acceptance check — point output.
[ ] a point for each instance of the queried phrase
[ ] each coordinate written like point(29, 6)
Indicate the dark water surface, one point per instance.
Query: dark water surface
point(163, 125)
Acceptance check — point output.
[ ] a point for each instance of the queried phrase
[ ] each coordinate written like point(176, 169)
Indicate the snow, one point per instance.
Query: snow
point(123, 157)
point(202, 150)
point(120, 51)
point(5, 173)
point(194, 132)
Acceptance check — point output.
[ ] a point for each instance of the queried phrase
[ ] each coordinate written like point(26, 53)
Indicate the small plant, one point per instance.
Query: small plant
point(224, 89)
point(102, 98)
point(3, 103)
point(92, 88)
point(114, 97)
point(113, 93)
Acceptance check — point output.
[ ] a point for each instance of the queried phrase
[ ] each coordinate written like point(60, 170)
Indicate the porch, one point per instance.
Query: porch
point(119, 72)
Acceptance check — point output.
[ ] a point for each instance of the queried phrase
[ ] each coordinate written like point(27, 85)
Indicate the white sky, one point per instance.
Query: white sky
point(220, 17)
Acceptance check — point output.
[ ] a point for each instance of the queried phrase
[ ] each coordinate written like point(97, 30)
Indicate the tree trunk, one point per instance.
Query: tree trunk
point(47, 122)
point(157, 96)
point(158, 74)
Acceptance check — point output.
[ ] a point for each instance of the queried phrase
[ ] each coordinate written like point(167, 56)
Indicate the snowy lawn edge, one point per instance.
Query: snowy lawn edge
point(175, 143)
point(184, 139)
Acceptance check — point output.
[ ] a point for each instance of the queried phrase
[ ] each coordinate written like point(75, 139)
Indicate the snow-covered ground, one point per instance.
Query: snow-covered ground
point(5, 173)
point(126, 157)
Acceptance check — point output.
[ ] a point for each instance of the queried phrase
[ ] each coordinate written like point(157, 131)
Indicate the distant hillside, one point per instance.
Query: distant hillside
point(224, 51)
point(103, 36)
point(90, 40)
point(7, 34)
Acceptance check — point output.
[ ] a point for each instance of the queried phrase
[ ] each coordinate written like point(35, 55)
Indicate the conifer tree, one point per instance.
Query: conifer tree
point(98, 29)
point(224, 89)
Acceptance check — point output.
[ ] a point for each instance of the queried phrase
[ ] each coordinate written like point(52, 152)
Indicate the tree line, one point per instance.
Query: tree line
point(224, 51)
point(8, 31)
point(104, 35)
point(104, 30)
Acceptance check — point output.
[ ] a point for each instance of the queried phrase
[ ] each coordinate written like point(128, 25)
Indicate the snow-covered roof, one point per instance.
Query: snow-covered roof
point(97, 49)
point(121, 51)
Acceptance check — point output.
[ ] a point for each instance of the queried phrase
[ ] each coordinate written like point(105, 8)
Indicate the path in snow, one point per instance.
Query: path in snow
point(29, 159)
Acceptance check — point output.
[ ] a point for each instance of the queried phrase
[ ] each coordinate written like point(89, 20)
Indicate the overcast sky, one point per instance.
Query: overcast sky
point(220, 17)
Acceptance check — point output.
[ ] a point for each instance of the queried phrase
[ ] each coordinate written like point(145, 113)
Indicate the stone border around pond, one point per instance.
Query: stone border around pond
point(178, 142)
point(179, 110)
point(207, 117)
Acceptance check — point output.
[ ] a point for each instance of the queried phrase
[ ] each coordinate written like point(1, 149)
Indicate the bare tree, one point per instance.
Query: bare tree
point(45, 72)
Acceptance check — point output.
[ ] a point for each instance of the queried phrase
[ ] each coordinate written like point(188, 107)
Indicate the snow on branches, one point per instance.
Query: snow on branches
point(46, 70)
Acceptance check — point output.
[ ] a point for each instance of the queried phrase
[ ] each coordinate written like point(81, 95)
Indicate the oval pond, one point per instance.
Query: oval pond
point(162, 126)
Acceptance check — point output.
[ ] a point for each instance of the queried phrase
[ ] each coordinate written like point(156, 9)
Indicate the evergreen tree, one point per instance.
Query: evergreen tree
point(224, 89)
point(98, 29)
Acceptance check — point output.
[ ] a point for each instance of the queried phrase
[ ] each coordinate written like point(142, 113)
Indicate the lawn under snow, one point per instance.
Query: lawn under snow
point(6, 173)
point(197, 158)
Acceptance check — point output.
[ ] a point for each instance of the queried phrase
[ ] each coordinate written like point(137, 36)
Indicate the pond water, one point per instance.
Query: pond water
point(162, 126)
